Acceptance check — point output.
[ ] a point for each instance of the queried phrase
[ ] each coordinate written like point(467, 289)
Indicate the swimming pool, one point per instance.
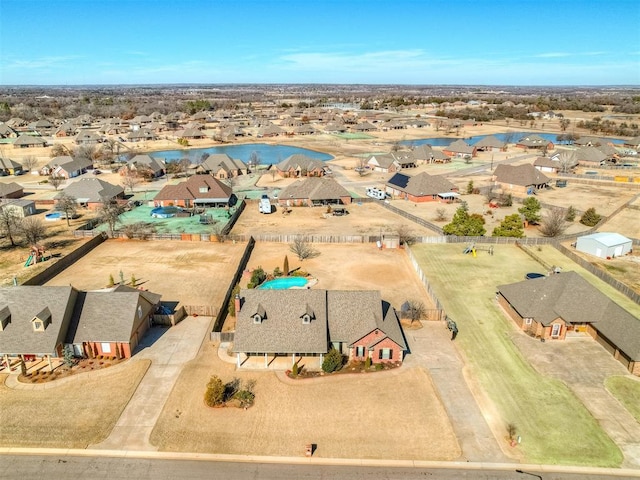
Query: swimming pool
point(53, 216)
point(284, 283)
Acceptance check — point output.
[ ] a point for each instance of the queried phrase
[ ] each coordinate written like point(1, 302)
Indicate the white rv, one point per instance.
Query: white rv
point(265, 204)
point(376, 193)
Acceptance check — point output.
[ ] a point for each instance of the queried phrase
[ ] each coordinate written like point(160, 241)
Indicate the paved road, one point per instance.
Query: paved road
point(432, 349)
point(105, 468)
point(168, 350)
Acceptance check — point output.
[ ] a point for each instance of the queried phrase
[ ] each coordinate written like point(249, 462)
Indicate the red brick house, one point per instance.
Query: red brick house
point(460, 148)
point(419, 188)
point(299, 165)
point(519, 179)
point(202, 190)
point(308, 322)
point(564, 304)
point(39, 322)
point(314, 191)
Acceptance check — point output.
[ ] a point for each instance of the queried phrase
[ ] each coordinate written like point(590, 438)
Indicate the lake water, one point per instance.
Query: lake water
point(269, 154)
point(515, 136)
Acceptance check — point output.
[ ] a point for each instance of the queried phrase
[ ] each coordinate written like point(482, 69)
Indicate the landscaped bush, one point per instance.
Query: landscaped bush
point(257, 277)
point(590, 218)
point(332, 361)
point(214, 396)
point(299, 273)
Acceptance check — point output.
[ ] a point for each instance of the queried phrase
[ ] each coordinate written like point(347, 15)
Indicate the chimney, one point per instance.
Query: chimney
point(238, 303)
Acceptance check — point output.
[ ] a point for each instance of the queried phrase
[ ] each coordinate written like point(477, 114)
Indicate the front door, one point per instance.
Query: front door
point(555, 330)
point(78, 351)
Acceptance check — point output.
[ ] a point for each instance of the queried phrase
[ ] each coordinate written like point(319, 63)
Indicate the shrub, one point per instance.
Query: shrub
point(231, 308)
point(590, 218)
point(294, 370)
point(111, 281)
point(258, 276)
point(300, 273)
point(571, 214)
point(215, 392)
point(379, 366)
point(277, 272)
point(367, 363)
point(332, 361)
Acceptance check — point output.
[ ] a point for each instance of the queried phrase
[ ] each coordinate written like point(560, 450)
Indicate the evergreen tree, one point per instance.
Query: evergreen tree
point(590, 218)
point(511, 226)
point(530, 210)
point(464, 224)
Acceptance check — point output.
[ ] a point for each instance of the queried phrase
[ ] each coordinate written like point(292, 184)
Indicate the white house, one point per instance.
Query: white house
point(604, 244)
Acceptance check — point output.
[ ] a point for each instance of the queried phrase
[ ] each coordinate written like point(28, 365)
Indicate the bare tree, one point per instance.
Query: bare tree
point(67, 204)
point(415, 310)
point(58, 150)
point(361, 166)
point(303, 248)
point(130, 178)
point(109, 212)
point(32, 229)
point(567, 160)
point(9, 224)
point(254, 160)
point(405, 234)
point(29, 163)
point(554, 223)
point(441, 215)
point(55, 181)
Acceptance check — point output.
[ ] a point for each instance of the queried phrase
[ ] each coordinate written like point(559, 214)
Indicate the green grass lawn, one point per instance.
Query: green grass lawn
point(627, 391)
point(554, 425)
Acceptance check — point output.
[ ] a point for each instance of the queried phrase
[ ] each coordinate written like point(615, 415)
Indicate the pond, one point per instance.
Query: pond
point(511, 137)
point(268, 154)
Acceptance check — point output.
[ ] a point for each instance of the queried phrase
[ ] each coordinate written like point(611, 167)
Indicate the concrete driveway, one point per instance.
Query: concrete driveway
point(584, 366)
point(432, 348)
point(168, 349)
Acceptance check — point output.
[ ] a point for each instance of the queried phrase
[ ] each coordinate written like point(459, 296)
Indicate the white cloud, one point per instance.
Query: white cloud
point(42, 62)
point(553, 55)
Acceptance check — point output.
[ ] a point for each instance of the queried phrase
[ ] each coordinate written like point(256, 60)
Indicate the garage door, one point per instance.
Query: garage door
point(608, 346)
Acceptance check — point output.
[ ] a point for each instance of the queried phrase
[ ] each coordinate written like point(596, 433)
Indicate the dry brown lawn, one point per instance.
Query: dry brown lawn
point(349, 267)
point(75, 414)
point(194, 273)
point(395, 414)
point(363, 219)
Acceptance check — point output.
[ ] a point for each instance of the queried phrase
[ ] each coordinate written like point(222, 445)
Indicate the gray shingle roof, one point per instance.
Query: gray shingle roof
point(314, 188)
point(569, 296)
point(523, 175)
point(147, 161)
point(9, 188)
point(339, 316)
point(299, 162)
point(420, 185)
point(93, 190)
point(24, 303)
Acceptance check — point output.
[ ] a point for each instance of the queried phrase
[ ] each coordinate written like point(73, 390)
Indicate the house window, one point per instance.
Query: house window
point(385, 354)
point(527, 321)
point(257, 319)
point(105, 347)
point(555, 330)
point(359, 352)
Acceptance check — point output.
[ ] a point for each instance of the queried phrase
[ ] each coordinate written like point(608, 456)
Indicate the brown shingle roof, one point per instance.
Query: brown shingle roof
point(212, 189)
point(523, 175)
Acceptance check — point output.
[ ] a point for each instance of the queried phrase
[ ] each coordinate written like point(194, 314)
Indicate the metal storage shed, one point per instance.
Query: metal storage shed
point(604, 244)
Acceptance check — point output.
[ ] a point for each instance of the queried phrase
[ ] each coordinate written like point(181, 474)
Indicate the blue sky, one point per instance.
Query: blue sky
point(501, 42)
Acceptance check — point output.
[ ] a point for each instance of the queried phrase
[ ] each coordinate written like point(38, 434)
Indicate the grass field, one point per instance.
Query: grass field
point(627, 391)
point(70, 415)
point(554, 425)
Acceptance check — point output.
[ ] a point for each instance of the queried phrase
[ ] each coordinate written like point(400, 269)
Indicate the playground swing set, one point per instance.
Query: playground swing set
point(473, 249)
point(36, 254)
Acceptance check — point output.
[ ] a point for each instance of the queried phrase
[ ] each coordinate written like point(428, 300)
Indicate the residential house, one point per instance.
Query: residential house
point(7, 132)
point(26, 141)
point(363, 127)
point(67, 129)
point(299, 165)
point(419, 188)
point(11, 190)
point(197, 190)
point(85, 137)
point(142, 135)
point(488, 143)
point(42, 127)
point(566, 304)
point(222, 166)
point(308, 322)
point(633, 143)
point(314, 191)
point(37, 322)
point(269, 130)
point(19, 207)
point(589, 142)
point(146, 162)
point(460, 148)
point(534, 141)
point(93, 192)
point(190, 134)
point(519, 179)
point(547, 165)
point(67, 167)
point(385, 163)
point(591, 157)
point(604, 244)
point(9, 167)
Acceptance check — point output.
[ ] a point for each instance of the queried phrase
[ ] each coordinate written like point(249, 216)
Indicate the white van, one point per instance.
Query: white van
point(265, 204)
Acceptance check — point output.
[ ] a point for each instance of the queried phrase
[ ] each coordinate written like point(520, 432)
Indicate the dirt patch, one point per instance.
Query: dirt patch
point(345, 415)
point(194, 273)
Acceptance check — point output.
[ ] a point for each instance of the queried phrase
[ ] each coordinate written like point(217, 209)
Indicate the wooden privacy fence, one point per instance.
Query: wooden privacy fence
point(201, 310)
point(423, 278)
point(222, 337)
point(171, 319)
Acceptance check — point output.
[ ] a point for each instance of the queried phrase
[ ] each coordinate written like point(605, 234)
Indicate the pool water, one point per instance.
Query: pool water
point(284, 283)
